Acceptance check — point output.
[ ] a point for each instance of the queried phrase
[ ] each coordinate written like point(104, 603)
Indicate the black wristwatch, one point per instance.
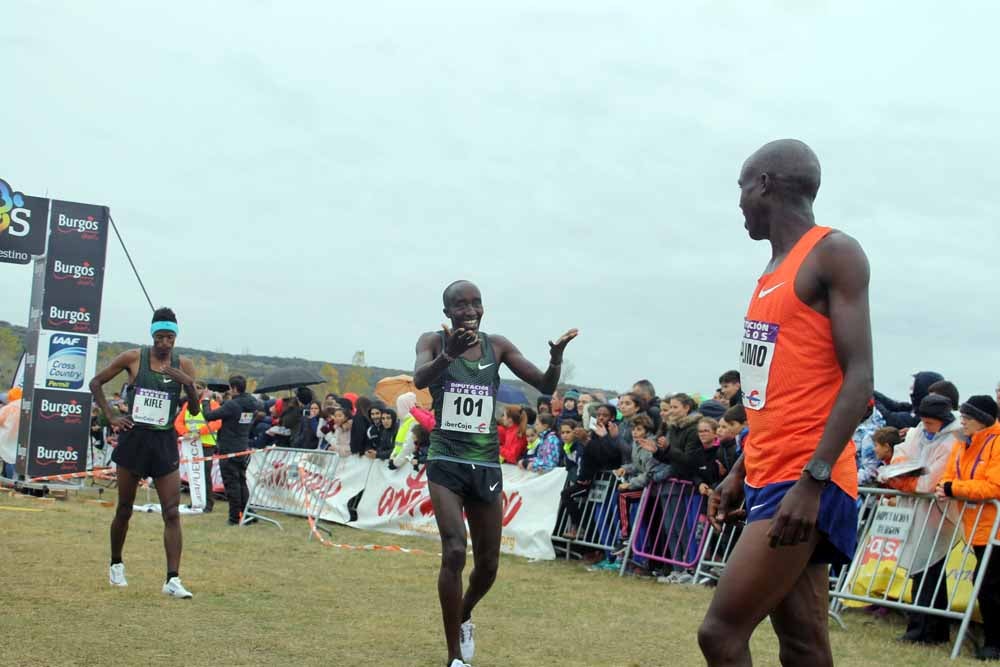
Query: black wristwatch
point(818, 470)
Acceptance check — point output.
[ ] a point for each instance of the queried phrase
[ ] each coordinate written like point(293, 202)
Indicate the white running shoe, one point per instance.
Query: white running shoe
point(175, 589)
point(467, 643)
point(116, 575)
point(458, 663)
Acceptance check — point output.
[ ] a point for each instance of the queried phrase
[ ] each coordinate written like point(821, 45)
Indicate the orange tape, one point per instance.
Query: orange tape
point(352, 547)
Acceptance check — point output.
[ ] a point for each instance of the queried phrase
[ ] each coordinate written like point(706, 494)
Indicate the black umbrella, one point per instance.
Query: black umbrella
point(216, 385)
point(289, 378)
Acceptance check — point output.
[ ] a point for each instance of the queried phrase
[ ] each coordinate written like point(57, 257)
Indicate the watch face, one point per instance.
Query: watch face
point(820, 470)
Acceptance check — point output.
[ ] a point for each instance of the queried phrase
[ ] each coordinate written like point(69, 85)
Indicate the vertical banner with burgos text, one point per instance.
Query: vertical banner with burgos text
point(63, 324)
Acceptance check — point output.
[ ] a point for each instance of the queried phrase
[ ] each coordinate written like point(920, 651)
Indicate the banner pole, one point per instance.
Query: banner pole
point(131, 263)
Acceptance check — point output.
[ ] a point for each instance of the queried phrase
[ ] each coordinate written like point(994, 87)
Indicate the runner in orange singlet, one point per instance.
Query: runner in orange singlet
point(807, 376)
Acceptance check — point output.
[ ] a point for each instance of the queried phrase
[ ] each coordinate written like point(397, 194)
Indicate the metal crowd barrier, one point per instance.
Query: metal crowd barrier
point(289, 481)
point(670, 527)
point(599, 526)
point(908, 545)
point(715, 553)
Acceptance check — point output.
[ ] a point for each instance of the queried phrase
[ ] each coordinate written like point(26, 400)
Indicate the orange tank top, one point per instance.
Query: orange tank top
point(790, 377)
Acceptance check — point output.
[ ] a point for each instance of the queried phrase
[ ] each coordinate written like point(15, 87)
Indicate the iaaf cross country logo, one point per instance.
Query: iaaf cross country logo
point(71, 412)
point(46, 456)
point(82, 274)
point(12, 209)
point(88, 228)
point(78, 319)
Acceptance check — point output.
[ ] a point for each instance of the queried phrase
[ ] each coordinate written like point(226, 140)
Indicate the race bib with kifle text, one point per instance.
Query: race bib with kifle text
point(759, 341)
point(468, 408)
point(151, 407)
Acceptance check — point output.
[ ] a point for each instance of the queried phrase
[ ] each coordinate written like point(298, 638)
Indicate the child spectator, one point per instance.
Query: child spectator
point(709, 474)
point(571, 449)
point(883, 441)
point(512, 432)
point(734, 424)
point(336, 431)
point(387, 434)
point(546, 454)
point(569, 408)
point(531, 435)
point(643, 469)
point(599, 453)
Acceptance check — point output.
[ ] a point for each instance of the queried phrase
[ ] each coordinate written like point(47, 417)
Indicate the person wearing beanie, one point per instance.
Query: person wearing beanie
point(570, 409)
point(973, 474)
point(930, 444)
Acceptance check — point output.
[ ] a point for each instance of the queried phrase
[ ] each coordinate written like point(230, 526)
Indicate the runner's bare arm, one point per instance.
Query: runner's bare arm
point(125, 361)
point(724, 503)
point(430, 362)
point(843, 269)
point(185, 376)
point(507, 353)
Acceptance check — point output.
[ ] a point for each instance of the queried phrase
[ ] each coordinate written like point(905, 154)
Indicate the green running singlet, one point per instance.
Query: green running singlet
point(464, 398)
point(154, 399)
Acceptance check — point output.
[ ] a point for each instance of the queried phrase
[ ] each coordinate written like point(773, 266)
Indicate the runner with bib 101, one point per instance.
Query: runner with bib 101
point(461, 366)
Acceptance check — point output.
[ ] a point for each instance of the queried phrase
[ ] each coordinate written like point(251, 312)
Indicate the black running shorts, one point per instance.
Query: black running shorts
point(473, 482)
point(147, 453)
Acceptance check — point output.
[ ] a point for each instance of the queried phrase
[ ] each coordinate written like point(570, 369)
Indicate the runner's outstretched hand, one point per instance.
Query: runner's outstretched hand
point(458, 341)
point(556, 349)
point(724, 503)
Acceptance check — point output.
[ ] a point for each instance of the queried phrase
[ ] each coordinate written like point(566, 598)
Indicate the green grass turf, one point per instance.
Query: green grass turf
point(269, 597)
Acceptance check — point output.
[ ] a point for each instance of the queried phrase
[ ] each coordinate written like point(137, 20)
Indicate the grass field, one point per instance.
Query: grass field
point(270, 597)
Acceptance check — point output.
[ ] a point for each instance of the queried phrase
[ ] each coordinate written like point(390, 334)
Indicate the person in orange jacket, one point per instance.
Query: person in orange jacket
point(187, 423)
point(973, 474)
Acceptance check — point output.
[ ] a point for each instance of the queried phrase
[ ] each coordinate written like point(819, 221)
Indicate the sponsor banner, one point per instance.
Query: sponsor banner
point(217, 486)
point(65, 361)
point(352, 473)
point(194, 472)
point(59, 432)
point(22, 225)
point(74, 272)
point(398, 502)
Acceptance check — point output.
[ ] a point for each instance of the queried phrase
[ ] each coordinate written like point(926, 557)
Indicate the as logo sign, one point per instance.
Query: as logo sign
point(60, 316)
point(44, 455)
point(87, 228)
point(13, 215)
point(83, 274)
point(71, 411)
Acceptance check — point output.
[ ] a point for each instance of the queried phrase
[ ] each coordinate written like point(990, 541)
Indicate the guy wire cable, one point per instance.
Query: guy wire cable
point(131, 263)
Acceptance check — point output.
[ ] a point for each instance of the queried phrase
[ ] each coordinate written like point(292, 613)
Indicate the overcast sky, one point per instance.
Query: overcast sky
point(304, 178)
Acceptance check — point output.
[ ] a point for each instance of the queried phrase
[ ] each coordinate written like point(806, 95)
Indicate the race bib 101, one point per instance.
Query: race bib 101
point(151, 407)
point(759, 342)
point(467, 408)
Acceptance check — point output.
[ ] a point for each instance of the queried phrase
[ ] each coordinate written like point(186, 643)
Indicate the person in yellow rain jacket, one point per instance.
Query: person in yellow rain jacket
point(187, 423)
point(973, 474)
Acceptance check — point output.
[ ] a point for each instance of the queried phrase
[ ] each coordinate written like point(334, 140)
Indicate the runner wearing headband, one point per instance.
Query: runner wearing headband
point(461, 366)
point(147, 442)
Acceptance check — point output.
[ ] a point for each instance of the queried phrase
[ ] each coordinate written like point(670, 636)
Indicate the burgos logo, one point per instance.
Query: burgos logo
point(60, 316)
point(87, 227)
point(13, 217)
point(71, 411)
point(43, 455)
point(83, 274)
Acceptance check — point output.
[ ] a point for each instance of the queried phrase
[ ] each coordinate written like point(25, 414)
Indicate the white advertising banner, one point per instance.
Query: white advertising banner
point(304, 482)
point(350, 479)
point(194, 472)
point(398, 501)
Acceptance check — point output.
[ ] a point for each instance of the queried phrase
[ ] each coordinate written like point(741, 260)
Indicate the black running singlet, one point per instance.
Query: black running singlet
point(464, 399)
